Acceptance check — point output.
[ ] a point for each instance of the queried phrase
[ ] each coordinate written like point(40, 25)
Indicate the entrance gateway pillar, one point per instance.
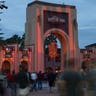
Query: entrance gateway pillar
point(44, 18)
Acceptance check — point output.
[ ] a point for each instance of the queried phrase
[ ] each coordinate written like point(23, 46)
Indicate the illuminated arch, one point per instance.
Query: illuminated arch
point(64, 39)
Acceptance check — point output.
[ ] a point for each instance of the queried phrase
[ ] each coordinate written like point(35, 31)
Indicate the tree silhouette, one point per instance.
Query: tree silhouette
point(22, 41)
point(1, 39)
point(50, 38)
point(14, 39)
point(2, 5)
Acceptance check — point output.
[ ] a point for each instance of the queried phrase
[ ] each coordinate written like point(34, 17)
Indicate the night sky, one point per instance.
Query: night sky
point(14, 18)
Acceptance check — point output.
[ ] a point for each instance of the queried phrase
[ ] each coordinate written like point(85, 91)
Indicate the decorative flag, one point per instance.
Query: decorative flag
point(52, 49)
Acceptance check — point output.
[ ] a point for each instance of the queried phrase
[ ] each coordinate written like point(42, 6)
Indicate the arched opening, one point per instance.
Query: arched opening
point(6, 66)
point(52, 53)
point(58, 62)
point(24, 65)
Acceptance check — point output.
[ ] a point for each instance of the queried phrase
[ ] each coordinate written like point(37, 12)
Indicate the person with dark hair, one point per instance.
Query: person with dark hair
point(73, 81)
point(23, 82)
point(51, 79)
point(1, 86)
point(40, 79)
point(34, 81)
point(91, 79)
point(13, 83)
point(8, 76)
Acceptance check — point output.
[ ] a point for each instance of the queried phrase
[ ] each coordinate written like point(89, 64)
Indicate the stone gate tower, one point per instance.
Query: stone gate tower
point(44, 18)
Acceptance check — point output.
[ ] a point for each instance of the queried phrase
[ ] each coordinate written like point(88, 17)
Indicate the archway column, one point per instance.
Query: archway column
point(39, 57)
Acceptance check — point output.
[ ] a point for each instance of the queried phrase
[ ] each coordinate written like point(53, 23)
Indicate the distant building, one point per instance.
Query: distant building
point(88, 54)
point(11, 58)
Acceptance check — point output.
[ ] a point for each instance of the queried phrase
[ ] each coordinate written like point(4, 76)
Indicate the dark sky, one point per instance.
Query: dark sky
point(14, 18)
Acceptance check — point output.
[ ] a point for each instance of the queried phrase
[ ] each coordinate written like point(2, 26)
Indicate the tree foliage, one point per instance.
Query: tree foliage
point(1, 39)
point(50, 38)
point(14, 39)
point(22, 41)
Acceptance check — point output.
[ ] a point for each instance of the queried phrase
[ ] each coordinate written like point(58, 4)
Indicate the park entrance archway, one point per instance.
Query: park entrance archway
point(44, 19)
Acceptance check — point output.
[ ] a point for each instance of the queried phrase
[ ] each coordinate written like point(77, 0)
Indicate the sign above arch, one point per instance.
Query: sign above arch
point(54, 19)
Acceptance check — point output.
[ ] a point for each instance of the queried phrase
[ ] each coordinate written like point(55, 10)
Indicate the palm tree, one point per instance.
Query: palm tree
point(50, 38)
point(14, 39)
point(22, 41)
point(1, 40)
point(2, 5)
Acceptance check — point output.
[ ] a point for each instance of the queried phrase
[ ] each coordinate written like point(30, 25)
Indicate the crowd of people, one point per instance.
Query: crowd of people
point(77, 83)
point(24, 82)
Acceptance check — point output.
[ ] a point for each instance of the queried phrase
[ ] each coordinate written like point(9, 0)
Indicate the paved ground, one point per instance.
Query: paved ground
point(44, 92)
